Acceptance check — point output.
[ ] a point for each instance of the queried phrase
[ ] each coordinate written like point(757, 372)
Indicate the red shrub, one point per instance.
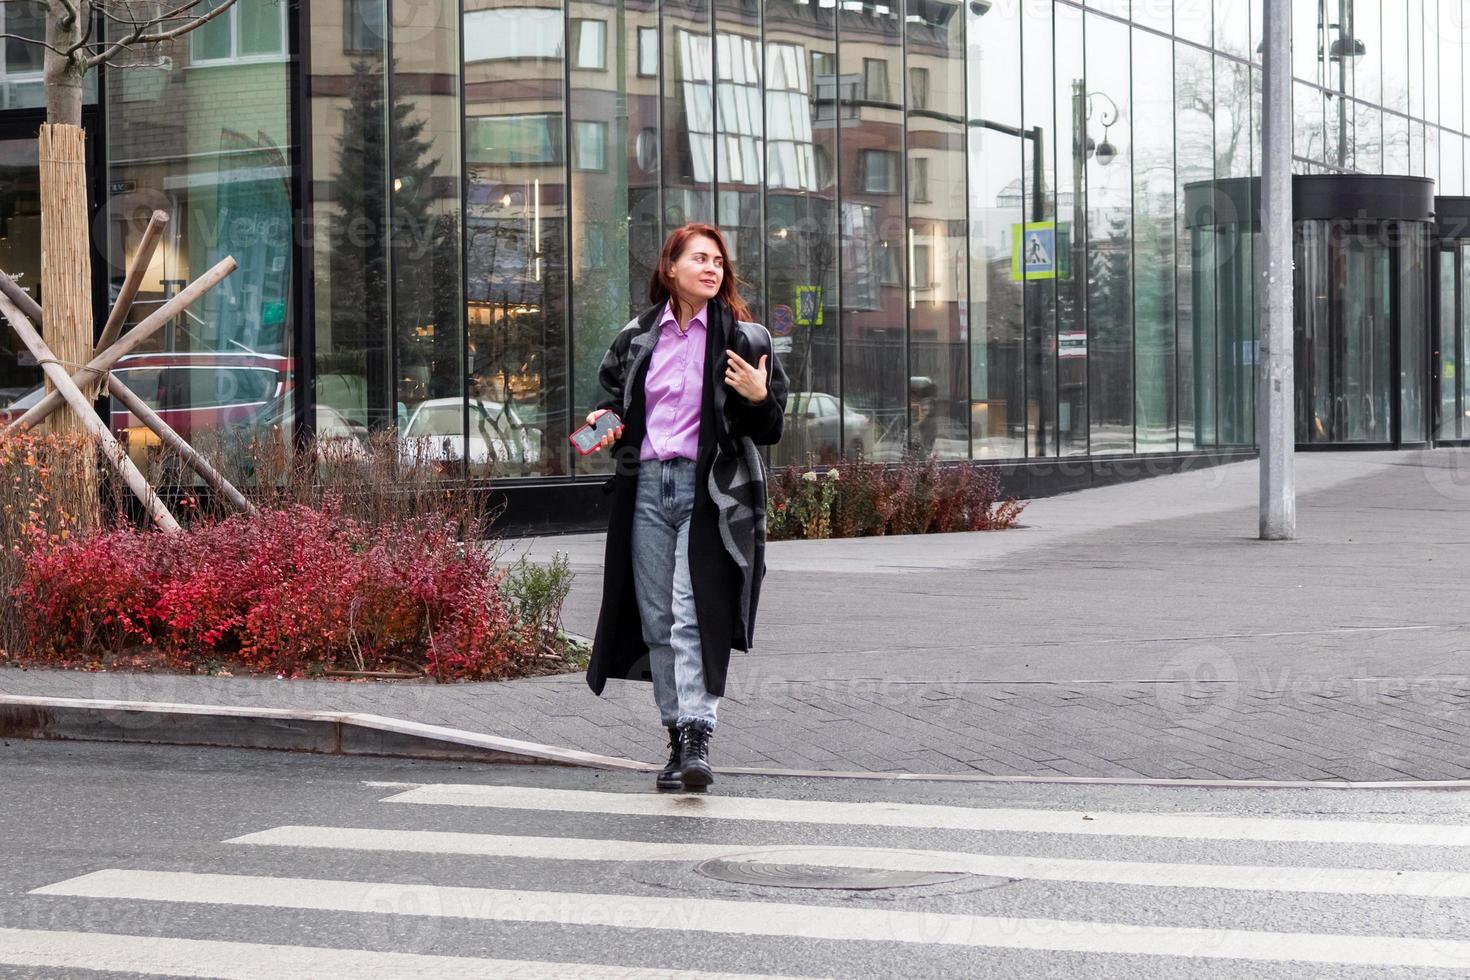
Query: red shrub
point(288, 591)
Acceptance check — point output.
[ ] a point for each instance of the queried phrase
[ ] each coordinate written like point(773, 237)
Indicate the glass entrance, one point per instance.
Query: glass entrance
point(20, 257)
point(1450, 403)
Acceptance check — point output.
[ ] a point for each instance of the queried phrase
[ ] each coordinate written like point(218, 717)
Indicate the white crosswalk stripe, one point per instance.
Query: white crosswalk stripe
point(795, 920)
point(935, 817)
point(265, 961)
point(1329, 881)
point(804, 921)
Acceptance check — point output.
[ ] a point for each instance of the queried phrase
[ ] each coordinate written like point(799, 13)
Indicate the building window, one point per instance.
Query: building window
point(250, 30)
point(589, 145)
point(923, 272)
point(647, 52)
point(512, 34)
point(919, 180)
point(880, 171)
point(875, 79)
point(890, 264)
point(918, 88)
point(362, 26)
point(589, 44)
point(507, 140)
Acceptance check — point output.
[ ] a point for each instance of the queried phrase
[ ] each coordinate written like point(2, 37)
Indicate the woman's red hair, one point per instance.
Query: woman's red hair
point(660, 286)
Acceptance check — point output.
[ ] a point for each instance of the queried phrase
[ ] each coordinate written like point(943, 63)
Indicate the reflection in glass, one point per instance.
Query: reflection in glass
point(614, 217)
point(801, 240)
point(1412, 258)
point(1042, 145)
point(425, 194)
point(1154, 241)
point(223, 174)
point(940, 412)
point(740, 148)
point(1071, 155)
point(688, 123)
point(1447, 346)
point(1194, 104)
point(872, 234)
point(997, 211)
point(515, 231)
point(1109, 240)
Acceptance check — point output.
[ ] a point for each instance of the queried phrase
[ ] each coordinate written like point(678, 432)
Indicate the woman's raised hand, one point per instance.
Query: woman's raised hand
point(748, 381)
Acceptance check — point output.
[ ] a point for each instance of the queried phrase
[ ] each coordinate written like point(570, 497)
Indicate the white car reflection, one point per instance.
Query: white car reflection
point(435, 432)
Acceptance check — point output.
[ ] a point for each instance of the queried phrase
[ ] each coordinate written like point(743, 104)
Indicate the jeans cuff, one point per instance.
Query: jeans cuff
point(686, 719)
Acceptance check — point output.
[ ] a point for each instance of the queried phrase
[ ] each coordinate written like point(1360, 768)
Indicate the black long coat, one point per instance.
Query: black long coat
point(725, 619)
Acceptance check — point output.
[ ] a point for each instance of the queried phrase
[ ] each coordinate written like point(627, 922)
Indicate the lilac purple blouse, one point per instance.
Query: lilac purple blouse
point(674, 388)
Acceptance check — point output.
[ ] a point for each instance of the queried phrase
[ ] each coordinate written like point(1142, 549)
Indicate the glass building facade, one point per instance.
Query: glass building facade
point(1013, 231)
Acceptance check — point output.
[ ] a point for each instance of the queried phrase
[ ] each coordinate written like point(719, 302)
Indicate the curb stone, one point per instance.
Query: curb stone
point(355, 733)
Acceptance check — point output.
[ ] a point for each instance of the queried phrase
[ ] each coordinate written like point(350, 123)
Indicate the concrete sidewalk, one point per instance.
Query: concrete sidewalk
point(1136, 630)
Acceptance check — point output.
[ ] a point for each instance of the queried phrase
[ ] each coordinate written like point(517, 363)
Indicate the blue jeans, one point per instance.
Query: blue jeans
point(665, 591)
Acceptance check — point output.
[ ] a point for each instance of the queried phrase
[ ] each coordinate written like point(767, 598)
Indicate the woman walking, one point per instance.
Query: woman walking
point(697, 387)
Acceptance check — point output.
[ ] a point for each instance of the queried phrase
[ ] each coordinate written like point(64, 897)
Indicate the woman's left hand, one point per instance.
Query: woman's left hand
point(749, 382)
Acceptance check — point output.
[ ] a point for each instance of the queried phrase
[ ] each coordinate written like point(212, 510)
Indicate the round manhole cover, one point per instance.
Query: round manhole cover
point(817, 868)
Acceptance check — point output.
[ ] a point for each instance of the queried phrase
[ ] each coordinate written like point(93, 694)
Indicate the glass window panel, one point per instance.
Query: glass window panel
point(1451, 65)
point(1044, 142)
point(1232, 27)
point(1447, 361)
point(1194, 283)
point(1451, 164)
point(1071, 293)
point(689, 113)
point(1415, 64)
point(589, 40)
point(262, 27)
point(1109, 239)
point(997, 204)
point(1432, 80)
point(1395, 144)
point(424, 192)
point(516, 255)
point(20, 256)
point(1193, 20)
point(212, 149)
point(1367, 139)
point(802, 239)
point(1258, 48)
point(872, 232)
point(1395, 61)
point(1307, 32)
point(1154, 241)
point(590, 142)
point(1431, 152)
point(1232, 118)
point(1158, 14)
point(213, 40)
point(614, 218)
point(1413, 257)
point(1310, 141)
point(1416, 148)
point(362, 26)
point(26, 19)
point(512, 33)
point(1118, 7)
point(738, 64)
point(938, 386)
point(1366, 17)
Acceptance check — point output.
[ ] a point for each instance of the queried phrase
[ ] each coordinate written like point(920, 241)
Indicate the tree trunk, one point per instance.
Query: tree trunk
point(66, 266)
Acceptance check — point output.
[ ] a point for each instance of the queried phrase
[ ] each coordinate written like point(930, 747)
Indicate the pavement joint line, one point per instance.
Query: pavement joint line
point(30, 709)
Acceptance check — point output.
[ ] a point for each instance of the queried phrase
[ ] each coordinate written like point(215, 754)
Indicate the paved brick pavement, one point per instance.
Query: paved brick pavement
point(1128, 631)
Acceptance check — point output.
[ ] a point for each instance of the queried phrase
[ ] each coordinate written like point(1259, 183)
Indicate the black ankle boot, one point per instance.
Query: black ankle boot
point(668, 776)
point(694, 755)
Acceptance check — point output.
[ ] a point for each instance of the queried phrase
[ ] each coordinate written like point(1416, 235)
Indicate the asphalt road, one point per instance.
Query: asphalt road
point(173, 861)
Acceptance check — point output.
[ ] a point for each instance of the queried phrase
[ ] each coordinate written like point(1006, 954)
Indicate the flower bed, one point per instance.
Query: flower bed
point(861, 499)
point(291, 592)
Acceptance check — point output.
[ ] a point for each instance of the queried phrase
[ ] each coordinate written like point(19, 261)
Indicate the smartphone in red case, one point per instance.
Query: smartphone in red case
point(588, 437)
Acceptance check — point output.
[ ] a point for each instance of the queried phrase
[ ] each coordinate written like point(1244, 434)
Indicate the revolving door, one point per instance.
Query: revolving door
point(1450, 401)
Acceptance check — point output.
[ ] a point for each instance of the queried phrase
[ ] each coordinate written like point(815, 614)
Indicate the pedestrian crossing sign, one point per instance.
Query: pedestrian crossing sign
point(1033, 251)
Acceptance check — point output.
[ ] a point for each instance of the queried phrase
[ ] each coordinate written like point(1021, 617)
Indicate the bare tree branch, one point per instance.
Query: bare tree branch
point(34, 40)
point(71, 14)
point(85, 40)
point(137, 35)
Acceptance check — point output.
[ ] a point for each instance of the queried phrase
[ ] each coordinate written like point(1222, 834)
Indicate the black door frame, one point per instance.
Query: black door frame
point(1452, 247)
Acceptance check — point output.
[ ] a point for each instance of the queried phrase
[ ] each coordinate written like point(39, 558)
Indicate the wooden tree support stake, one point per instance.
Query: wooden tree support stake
point(97, 366)
point(177, 443)
point(67, 389)
point(129, 291)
